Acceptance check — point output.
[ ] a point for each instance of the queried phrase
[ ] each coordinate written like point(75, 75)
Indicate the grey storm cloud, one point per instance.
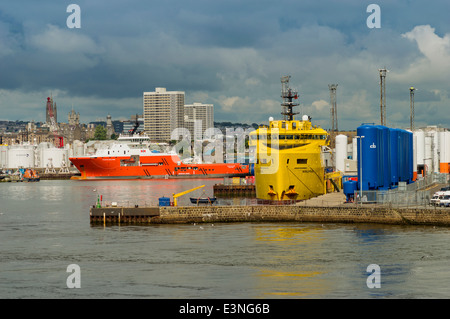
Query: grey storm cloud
point(229, 53)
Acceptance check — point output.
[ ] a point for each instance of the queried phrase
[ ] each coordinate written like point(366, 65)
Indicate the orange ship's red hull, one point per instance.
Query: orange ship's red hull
point(154, 166)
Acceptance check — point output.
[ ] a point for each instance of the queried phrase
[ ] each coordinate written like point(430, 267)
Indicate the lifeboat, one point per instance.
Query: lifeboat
point(31, 175)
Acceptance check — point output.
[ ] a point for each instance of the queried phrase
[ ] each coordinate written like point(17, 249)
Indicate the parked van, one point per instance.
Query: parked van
point(435, 200)
point(444, 200)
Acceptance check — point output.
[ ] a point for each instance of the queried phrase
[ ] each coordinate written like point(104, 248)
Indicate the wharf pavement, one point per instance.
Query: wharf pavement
point(331, 199)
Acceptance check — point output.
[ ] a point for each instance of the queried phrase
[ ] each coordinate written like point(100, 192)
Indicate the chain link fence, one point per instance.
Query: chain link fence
point(405, 195)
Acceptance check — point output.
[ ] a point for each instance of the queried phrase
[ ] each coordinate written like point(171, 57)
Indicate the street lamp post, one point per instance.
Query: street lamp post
point(360, 167)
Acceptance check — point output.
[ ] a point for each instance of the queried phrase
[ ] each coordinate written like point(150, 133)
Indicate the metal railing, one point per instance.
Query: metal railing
point(416, 194)
point(238, 181)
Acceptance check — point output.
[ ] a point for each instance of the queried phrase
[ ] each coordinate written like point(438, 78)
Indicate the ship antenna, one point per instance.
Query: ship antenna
point(288, 95)
point(135, 127)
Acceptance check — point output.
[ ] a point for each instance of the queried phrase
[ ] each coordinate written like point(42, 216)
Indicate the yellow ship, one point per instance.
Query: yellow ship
point(289, 164)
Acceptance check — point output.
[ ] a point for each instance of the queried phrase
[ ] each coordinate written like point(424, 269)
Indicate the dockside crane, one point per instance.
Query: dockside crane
point(58, 140)
point(175, 196)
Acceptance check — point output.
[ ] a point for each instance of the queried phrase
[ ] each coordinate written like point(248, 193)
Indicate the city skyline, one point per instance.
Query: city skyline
point(229, 54)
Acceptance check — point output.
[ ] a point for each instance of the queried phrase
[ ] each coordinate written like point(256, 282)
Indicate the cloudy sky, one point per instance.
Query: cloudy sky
point(229, 53)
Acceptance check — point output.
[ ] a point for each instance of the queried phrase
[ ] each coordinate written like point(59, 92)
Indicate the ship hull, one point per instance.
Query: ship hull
point(288, 180)
point(151, 167)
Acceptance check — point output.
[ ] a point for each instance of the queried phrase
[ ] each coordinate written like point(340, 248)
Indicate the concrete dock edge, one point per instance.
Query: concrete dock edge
point(270, 213)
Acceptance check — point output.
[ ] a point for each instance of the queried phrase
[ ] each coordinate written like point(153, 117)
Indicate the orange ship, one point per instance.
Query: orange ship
point(131, 158)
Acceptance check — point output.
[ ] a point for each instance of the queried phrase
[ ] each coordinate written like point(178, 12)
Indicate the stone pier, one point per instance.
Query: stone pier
point(271, 213)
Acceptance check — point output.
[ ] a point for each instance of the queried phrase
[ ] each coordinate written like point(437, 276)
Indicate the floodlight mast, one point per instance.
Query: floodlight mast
point(383, 95)
point(411, 102)
point(334, 120)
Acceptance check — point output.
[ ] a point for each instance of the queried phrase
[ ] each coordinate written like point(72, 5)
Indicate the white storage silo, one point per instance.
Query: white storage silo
point(78, 148)
point(355, 148)
point(341, 152)
point(436, 148)
point(39, 150)
point(57, 156)
point(420, 147)
point(21, 157)
point(69, 150)
point(428, 160)
point(444, 151)
point(414, 157)
point(3, 156)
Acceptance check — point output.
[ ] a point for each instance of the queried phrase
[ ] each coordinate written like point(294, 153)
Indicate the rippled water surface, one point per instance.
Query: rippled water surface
point(44, 227)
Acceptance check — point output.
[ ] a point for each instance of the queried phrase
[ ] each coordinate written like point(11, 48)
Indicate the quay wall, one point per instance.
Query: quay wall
point(272, 213)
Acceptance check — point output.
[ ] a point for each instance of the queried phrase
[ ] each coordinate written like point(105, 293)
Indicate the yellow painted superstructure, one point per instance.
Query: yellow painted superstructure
point(288, 160)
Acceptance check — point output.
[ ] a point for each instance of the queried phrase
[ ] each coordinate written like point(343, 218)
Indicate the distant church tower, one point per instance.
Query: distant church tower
point(74, 118)
point(109, 126)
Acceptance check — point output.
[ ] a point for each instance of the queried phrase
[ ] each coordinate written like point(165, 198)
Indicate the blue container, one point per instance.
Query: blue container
point(349, 189)
point(387, 157)
point(410, 157)
point(403, 168)
point(393, 156)
point(369, 161)
point(384, 157)
point(164, 201)
point(405, 156)
point(403, 164)
point(400, 155)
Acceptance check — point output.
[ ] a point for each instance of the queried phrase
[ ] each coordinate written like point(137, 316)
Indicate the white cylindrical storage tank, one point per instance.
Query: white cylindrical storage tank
point(436, 152)
point(45, 145)
point(428, 160)
point(54, 156)
point(420, 147)
point(341, 152)
point(414, 156)
point(21, 157)
point(444, 151)
point(442, 144)
point(355, 148)
point(39, 150)
point(3, 156)
point(69, 150)
point(447, 147)
point(78, 148)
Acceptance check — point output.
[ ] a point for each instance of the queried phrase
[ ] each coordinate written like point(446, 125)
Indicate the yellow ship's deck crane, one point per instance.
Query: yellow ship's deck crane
point(175, 196)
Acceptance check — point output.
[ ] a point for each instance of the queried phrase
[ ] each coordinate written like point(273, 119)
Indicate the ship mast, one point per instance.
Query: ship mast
point(288, 95)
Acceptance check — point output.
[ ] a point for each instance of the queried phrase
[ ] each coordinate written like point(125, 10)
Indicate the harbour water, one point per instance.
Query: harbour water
point(44, 228)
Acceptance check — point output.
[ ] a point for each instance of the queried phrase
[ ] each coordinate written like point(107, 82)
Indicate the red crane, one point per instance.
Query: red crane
point(59, 140)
